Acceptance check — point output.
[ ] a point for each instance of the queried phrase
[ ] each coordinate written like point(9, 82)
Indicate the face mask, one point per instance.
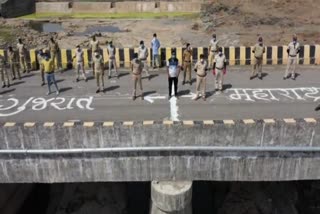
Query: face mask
point(214, 38)
point(201, 60)
point(260, 43)
point(220, 53)
point(96, 54)
point(173, 56)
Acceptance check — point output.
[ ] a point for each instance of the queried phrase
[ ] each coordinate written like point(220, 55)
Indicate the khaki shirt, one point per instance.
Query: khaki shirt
point(220, 60)
point(187, 54)
point(214, 45)
point(258, 51)
point(94, 45)
point(12, 57)
point(201, 68)
point(53, 46)
point(293, 49)
point(143, 53)
point(2, 61)
point(22, 49)
point(136, 66)
point(98, 63)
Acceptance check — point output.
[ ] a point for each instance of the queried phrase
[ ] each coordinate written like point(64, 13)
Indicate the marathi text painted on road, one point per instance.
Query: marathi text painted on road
point(13, 106)
point(274, 94)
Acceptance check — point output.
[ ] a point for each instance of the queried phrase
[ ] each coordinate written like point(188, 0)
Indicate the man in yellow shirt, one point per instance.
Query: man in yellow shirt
point(48, 67)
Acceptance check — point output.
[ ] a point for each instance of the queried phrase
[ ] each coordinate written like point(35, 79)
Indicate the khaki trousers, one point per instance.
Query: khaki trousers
point(291, 66)
point(80, 67)
point(42, 73)
point(219, 79)
point(4, 75)
point(257, 65)
point(53, 55)
point(23, 63)
point(14, 68)
point(99, 75)
point(187, 71)
point(137, 81)
point(211, 58)
point(145, 66)
point(201, 82)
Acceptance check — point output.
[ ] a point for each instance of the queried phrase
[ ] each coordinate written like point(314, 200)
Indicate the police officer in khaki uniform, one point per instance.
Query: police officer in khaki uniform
point(213, 48)
point(80, 64)
point(112, 59)
point(22, 55)
point(4, 74)
point(136, 68)
point(258, 51)
point(54, 49)
point(292, 50)
point(40, 57)
point(99, 70)
point(201, 68)
point(14, 63)
point(186, 64)
point(143, 56)
point(94, 46)
point(219, 69)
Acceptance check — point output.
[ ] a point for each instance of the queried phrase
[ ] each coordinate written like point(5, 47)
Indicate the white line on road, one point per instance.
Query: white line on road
point(151, 99)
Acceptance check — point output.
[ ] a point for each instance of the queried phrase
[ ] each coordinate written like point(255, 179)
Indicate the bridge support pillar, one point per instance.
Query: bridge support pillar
point(171, 197)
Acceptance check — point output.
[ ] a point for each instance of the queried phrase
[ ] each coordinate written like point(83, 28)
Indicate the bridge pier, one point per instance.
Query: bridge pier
point(171, 197)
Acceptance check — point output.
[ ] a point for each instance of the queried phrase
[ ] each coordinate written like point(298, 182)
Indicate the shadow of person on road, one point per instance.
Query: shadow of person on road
point(123, 74)
point(60, 80)
point(27, 76)
point(65, 89)
point(184, 92)
point(7, 91)
point(17, 83)
point(151, 76)
point(111, 88)
point(147, 93)
point(226, 87)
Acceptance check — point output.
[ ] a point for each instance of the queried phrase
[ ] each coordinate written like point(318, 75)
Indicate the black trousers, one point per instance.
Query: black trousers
point(173, 80)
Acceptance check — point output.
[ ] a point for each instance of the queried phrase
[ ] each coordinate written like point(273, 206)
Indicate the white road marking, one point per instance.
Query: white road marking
point(190, 95)
point(174, 109)
point(151, 99)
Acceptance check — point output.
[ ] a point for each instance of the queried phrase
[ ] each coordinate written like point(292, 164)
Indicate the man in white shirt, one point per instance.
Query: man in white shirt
point(213, 48)
point(112, 59)
point(292, 50)
point(143, 56)
point(219, 69)
point(80, 63)
point(173, 69)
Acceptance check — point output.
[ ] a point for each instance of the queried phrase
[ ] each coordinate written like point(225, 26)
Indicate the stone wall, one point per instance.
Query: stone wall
point(14, 8)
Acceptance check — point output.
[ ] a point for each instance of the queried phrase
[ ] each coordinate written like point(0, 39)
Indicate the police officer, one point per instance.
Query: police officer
point(155, 44)
point(4, 74)
point(201, 68)
point(80, 64)
point(54, 49)
point(136, 68)
point(186, 64)
point(213, 48)
point(219, 69)
point(40, 57)
point(94, 46)
point(173, 70)
point(22, 55)
point(99, 70)
point(48, 68)
point(112, 59)
point(143, 56)
point(13, 62)
point(292, 50)
point(258, 51)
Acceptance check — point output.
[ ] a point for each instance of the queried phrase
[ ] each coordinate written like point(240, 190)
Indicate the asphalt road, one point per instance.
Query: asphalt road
point(272, 97)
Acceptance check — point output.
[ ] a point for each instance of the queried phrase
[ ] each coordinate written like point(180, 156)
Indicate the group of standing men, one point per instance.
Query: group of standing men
point(47, 59)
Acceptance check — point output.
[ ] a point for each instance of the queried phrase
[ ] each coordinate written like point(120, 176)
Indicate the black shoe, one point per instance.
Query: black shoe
point(14, 78)
point(86, 80)
point(3, 86)
point(24, 71)
point(8, 85)
point(251, 78)
point(260, 78)
point(98, 91)
point(134, 98)
point(77, 80)
point(109, 77)
point(42, 84)
point(284, 78)
point(293, 78)
point(183, 82)
point(317, 108)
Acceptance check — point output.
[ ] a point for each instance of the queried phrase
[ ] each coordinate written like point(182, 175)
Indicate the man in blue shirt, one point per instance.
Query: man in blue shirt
point(155, 45)
point(173, 69)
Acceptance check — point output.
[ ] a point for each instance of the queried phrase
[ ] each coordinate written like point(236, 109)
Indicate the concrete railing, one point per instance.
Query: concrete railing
point(118, 7)
point(274, 55)
point(244, 150)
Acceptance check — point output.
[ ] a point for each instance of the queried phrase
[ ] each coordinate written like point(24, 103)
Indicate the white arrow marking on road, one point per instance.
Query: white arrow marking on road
point(191, 95)
point(151, 99)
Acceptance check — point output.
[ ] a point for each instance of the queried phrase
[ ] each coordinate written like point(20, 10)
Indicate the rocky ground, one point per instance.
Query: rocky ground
point(235, 22)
